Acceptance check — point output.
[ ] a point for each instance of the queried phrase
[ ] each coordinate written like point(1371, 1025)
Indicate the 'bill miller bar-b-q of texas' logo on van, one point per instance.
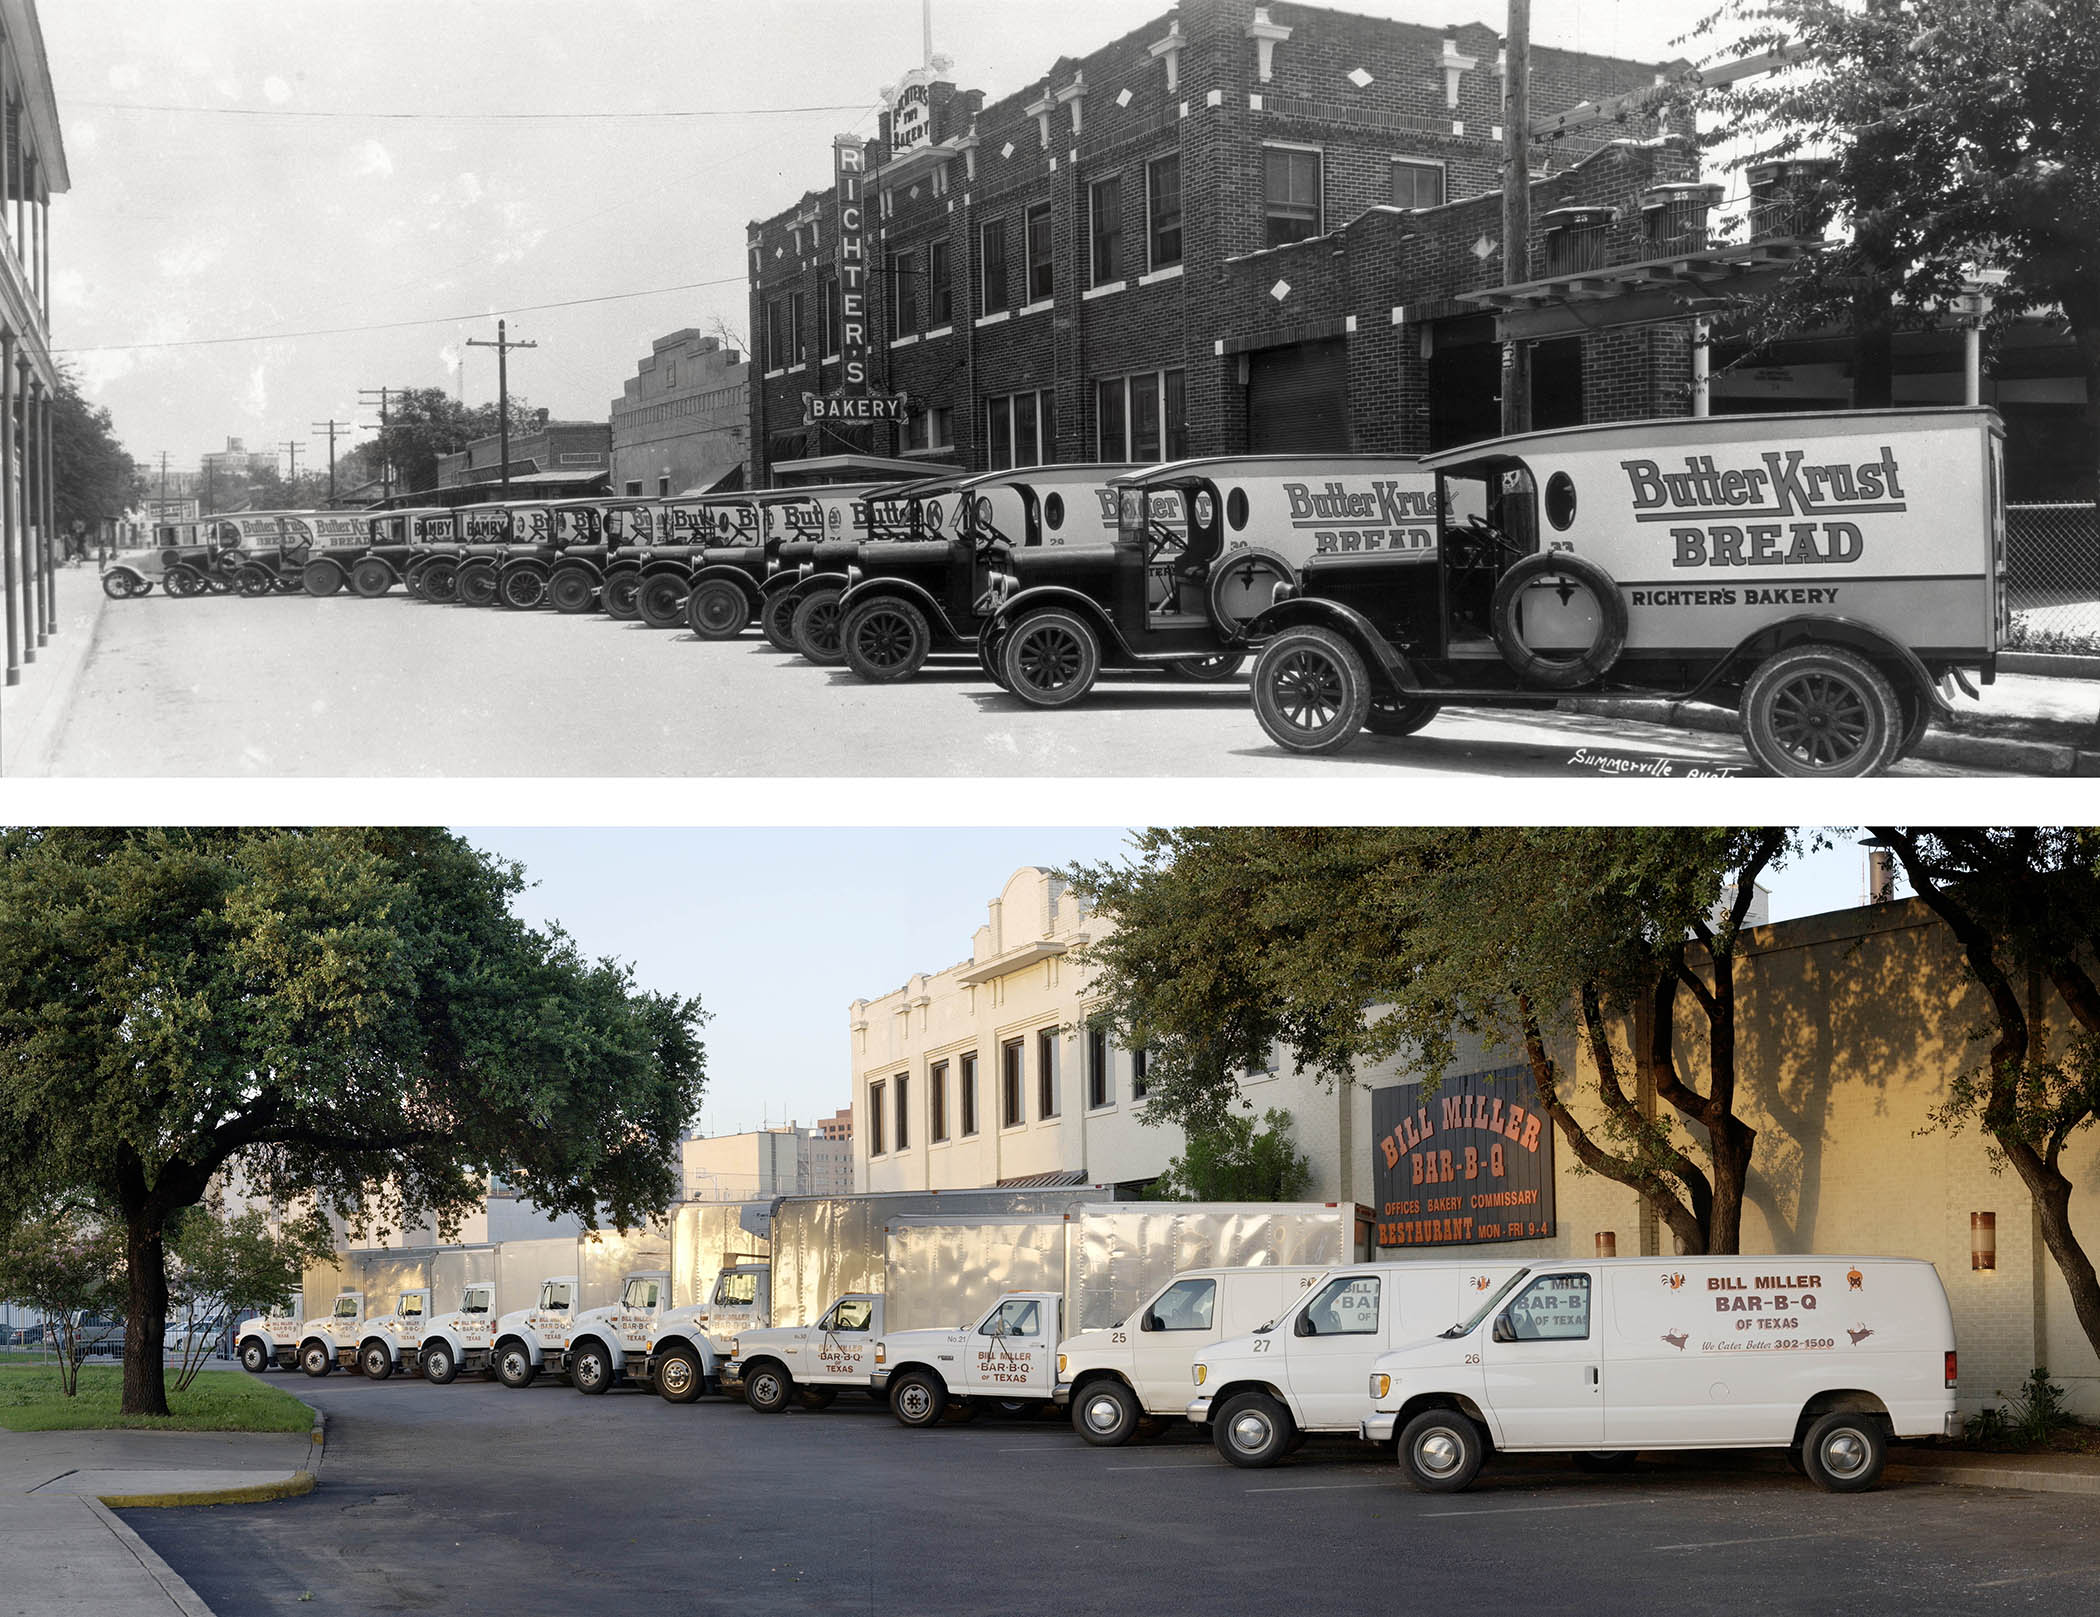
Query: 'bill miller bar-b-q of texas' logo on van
point(1384, 517)
point(1729, 504)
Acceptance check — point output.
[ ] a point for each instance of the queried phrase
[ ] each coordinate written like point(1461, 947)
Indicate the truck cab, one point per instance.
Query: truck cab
point(1008, 1357)
point(774, 1365)
point(683, 1357)
point(1263, 1392)
point(598, 1347)
point(1136, 1371)
point(261, 1340)
point(529, 1340)
point(332, 1339)
point(392, 1341)
point(460, 1340)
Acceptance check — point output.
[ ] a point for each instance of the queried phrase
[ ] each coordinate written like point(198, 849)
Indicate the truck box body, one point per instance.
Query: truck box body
point(707, 1237)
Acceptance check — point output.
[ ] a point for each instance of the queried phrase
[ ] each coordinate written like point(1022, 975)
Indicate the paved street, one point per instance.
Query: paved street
point(292, 686)
point(474, 1497)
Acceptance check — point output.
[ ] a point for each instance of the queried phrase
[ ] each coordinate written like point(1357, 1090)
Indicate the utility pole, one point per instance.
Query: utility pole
point(164, 485)
point(292, 448)
point(386, 466)
point(1516, 208)
point(331, 426)
point(503, 345)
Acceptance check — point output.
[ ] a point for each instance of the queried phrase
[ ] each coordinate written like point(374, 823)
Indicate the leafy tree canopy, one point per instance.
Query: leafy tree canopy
point(93, 479)
point(1237, 1160)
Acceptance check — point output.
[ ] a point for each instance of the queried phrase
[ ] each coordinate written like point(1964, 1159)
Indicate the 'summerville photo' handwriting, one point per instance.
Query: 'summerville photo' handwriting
point(1784, 485)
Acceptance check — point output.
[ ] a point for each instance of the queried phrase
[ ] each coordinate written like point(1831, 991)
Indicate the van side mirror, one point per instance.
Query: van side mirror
point(1150, 1322)
point(1303, 1325)
point(1504, 1331)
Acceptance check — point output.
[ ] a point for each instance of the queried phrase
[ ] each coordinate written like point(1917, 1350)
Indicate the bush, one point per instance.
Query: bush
point(2031, 1417)
point(1235, 1163)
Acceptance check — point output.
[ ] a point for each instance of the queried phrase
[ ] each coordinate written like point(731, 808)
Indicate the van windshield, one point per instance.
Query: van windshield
point(1487, 1307)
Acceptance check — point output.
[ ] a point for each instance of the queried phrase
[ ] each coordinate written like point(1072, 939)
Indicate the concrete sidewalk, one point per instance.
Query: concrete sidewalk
point(2037, 1473)
point(32, 711)
point(63, 1549)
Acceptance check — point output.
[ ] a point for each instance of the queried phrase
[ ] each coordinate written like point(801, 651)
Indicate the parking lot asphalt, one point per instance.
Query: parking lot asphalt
point(472, 1497)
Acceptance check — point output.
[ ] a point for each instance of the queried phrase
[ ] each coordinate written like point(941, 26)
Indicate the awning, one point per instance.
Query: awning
point(858, 469)
point(1046, 1181)
point(716, 477)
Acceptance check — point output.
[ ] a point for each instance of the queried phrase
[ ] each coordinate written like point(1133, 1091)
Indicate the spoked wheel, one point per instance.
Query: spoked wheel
point(1050, 658)
point(477, 584)
point(767, 1387)
point(522, 588)
point(183, 582)
point(1209, 670)
point(1821, 712)
point(1399, 716)
point(621, 592)
point(441, 582)
point(885, 640)
point(717, 610)
point(252, 582)
point(989, 647)
point(661, 601)
point(572, 591)
point(121, 586)
point(217, 585)
point(1311, 691)
point(322, 578)
point(917, 1398)
point(776, 621)
point(817, 624)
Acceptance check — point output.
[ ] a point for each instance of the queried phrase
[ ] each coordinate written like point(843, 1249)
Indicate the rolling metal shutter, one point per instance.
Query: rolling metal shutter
point(1298, 399)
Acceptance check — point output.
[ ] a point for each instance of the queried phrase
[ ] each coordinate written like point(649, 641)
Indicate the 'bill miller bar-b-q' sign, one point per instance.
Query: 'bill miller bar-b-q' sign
point(852, 402)
point(1469, 1164)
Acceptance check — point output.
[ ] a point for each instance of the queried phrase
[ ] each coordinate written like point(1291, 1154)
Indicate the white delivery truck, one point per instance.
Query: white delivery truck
point(1825, 1357)
point(261, 1340)
point(1119, 1377)
point(599, 1341)
point(1008, 1357)
point(529, 1340)
point(461, 1339)
point(683, 1349)
point(813, 1362)
point(332, 1339)
point(1264, 1392)
point(391, 1340)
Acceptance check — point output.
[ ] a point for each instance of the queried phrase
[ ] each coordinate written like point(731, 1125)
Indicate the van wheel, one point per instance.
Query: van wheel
point(316, 1359)
point(621, 593)
point(661, 601)
point(1558, 671)
point(571, 591)
point(590, 1369)
point(1252, 1430)
point(322, 578)
point(522, 588)
point(917, 1398)
point(717, 610)
point(776, 620)
point(514, 1366)
point(819, 1397)
point(1050, 658)
point(990, 647)
point(440, 1368)
point(1441, 1451)
point(1820, 712)
point(885, 640)
point(1311, 690)
point(441, 583)
point(1106, 1414)
point(1606, 1460)
point(767, 1387)
point(1208, 670)
point(679, 1379)
point(374, 1361)
point(1844, 1452)
point(477, 584)
point(816, 627)
point(119, 585)
point(371, 578)
point(255, 1358)
point(1400, 715)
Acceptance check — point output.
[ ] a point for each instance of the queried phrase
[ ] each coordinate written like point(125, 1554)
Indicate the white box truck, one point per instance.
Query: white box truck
point(272, 1338)
point(332, 1339)
point(391, 1341)
point(1827, 1358)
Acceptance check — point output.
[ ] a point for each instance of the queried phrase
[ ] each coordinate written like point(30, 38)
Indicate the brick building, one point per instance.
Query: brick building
point(1039, 290)
point(548, 452)
point(680, 425)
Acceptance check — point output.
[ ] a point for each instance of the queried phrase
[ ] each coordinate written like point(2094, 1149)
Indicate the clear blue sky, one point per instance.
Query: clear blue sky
point(778, 931)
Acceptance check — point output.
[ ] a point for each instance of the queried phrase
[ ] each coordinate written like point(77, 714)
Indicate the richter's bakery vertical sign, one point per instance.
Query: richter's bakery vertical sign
point(1469, 1164)
point(849, 162)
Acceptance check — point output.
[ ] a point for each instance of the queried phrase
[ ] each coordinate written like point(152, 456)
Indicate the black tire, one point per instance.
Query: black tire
point(960, 1412)
point(1208, 670)
point(885, 640)
point(918, 1398)
point(1106, 1413)
point(513, 1364)
point(1607, 1461)
point(1820, 712)
point(619, 597)
point(411, 580)
point(1844, 1452)
point(1552, 670)
point(374, 1363)
point(1050, 658)
point(1252, 1431)
point(255, 1355)
point(717, 610)
point(776, 620)
point(1441, 1450)
point(119, 585)
point(322, 578)
point(816, 625)
point(477, 583)
point(1312, 692)
point(814, 1398)
point(252, 582)
point(1794, 1461)
point(522, 589)
point(989, 646)
point(182, 582)
point(441, 582)
point(660, 601)
point(316, 1357)
point(679, 1377)
point(591, 1369)
point(1400, 715)
point(1918, 714)
point(572, 590)
point(1242, 585)
point(767, 1386)
point(440, 1368)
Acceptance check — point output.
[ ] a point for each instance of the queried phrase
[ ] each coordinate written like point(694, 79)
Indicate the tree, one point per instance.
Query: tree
point(1967, 135)
point(1350, 947)
point(424, 423)
point(63, 1263)
point(2023, 904)
point(226, 1267)
point(92, 478)
point(1233, 1161)
point(351, 1015)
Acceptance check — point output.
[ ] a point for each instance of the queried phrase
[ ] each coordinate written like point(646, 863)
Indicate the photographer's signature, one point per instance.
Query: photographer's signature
point(1608, 763)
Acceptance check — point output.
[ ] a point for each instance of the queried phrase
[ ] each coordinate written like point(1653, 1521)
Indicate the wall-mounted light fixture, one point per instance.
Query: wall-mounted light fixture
point(1983, 1240)
point(1607, 1243)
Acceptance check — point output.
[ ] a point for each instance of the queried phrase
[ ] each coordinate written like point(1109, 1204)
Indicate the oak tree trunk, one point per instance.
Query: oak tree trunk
point(146, 1317)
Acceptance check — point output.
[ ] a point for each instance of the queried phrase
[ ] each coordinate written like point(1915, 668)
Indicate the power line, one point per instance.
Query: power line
point(473, 117)
point(400, 325)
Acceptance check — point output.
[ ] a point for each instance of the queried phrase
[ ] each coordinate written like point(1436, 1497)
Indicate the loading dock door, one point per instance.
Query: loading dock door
point(1298, 399)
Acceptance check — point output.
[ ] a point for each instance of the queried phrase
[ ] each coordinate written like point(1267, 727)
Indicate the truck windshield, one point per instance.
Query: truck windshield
point(555, 1294)
point(849, 1314)
point(1487, 1307)
point(345, 1307)
point(477, 1302)
point(639, 1294)
point(412, 1304)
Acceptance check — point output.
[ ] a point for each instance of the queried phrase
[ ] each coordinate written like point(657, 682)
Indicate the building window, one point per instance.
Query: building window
point(798, 329)
point(904, 293)
point(931, 428)
point(1046, 1073)
point(1020, 429)
point(1138, 1064)
point(903, 1086)
point(670, 374)
point(1417, 185)
point(1293, 193)
point(875, 1099)
point(937, 1103)
point(776, 336)
point(991, 267)
point(635, 488)
point(663, 486)
point(1099, 1087)
point(940, 299)
point(833, 333)
point(1163, 211)
point(1011, 1113)
point(1142, 418)
point(966, 1091)
point(1105, 229)
point(1042, 252)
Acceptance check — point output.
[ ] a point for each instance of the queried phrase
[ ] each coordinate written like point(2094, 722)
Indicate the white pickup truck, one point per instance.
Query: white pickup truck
point(1136, 1371)
point(1264, 1393)
point(683, 1356)
point(391, 1341)
point(529, 1340)
point(812, 1362)
point(1009, 1357)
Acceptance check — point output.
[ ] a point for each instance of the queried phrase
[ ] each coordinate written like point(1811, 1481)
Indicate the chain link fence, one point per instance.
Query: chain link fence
point(2053, 577)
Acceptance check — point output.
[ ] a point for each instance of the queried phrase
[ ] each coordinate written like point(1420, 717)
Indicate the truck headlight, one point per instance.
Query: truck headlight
point(882, 1354)
point(1201, 1372)
point(1380, 1386)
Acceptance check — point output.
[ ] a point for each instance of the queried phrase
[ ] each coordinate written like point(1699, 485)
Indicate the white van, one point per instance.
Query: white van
point(1263, 1393)
point(1115, 1378)
point(1826, 1357)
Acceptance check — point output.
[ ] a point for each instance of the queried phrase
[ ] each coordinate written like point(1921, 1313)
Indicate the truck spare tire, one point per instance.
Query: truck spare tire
point(1558, 671)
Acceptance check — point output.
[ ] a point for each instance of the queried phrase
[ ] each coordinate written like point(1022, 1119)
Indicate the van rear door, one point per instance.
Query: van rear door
point(1542, 1364)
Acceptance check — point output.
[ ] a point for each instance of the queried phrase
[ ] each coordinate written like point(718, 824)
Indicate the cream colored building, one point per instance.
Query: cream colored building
point(787, 1161)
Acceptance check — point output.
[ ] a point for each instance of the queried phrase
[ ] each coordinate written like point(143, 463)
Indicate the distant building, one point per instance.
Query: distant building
point(838, 1126)
point(788, 1161)
point(235, 461)
point(545, 454)
point(680, 424)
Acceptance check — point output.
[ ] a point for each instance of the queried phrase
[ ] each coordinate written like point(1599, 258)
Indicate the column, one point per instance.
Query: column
point(48, 484)
point(25, 505)
point(12, 589)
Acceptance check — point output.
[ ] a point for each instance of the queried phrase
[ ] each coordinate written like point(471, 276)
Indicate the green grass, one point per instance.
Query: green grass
point(218, 1401)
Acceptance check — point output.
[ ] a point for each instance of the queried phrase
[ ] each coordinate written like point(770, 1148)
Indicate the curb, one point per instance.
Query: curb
point(1997, 1476)
point(2049, 664)
point(172, 1583)
point(301, 1481)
